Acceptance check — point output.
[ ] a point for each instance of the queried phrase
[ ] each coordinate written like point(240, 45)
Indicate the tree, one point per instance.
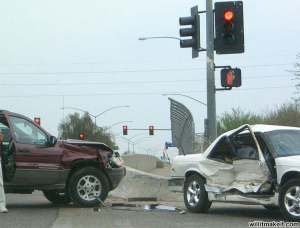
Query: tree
point(74, 124)
point(286, 115)
point(236, 118)
point(296, 72)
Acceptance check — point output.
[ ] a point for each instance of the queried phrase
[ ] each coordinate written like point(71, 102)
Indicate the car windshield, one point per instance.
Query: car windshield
point(285, 142)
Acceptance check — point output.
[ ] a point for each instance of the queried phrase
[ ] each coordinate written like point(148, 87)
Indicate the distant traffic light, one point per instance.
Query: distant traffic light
point(125, 130)
point(194, 31)
point(231, 78)
point(151, 130)
point(81, 136)
point(37, 120)
point(229, 26)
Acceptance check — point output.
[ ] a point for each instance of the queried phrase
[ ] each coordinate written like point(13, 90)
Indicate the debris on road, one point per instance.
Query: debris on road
point(139, 207)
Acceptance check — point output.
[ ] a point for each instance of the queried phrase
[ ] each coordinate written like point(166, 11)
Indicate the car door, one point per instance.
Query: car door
point(243, 166)
point(7, 154)
point(37, 163)
point(218, 166)
point(251, 171)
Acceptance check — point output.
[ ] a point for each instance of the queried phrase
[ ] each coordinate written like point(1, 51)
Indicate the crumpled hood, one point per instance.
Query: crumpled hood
point(97, 145)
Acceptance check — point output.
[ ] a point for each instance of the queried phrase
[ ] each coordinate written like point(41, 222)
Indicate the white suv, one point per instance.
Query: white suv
point(257, 164)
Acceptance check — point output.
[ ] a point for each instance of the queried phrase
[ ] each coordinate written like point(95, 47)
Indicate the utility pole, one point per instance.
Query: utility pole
point(210, 72)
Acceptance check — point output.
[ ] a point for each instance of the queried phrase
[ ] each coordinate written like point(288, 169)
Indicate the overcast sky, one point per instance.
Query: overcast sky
point(89, 52)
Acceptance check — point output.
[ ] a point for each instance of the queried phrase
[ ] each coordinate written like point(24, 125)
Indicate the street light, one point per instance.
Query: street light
point(159, 37)
point(130, 139)
point(183, 95)
point(139, 141)
point(96, 116)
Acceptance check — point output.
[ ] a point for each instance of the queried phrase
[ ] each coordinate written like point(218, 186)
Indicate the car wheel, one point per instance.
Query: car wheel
point(86, 185)
point(289, 200)
point(195, 195)
point(56, 197)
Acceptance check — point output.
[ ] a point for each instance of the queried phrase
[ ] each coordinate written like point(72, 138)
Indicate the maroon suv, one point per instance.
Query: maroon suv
point(65, 170)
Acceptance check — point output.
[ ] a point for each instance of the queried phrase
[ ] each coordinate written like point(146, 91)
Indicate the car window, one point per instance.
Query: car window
point(4, 130)
point(285, 142)
point(26, 132)
point(222, 151)
point(245, 147)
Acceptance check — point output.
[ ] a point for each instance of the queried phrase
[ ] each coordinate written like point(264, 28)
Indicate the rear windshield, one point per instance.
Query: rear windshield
point(285, 142)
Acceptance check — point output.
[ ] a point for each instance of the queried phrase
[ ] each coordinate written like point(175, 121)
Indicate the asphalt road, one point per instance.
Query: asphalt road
point(35, 211)
point(26, 211)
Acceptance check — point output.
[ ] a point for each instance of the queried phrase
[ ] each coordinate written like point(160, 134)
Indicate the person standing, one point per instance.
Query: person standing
point(3, 208)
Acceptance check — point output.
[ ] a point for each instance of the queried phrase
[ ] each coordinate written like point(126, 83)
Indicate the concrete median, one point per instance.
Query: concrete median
point(139, 184)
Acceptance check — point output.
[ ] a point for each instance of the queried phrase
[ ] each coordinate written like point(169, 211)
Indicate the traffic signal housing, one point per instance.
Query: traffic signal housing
point(229, 27)
point(81, 136)
point(193, 31)
point(151, 130)
point(125, 130)
point(231, 77)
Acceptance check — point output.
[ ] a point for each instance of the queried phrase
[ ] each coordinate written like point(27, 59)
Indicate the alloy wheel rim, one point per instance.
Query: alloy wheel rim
point(292, 201)
point(89, 187)
point(193, 193)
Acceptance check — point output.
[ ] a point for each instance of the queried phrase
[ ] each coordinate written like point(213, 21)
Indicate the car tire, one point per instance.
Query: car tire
point(86, 185)
point(289, 200)
point(56, 197)
point(195, 195)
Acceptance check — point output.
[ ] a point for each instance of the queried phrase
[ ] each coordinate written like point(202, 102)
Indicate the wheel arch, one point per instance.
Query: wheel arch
point(194, 172)
point(82, 163)
point(293, 174)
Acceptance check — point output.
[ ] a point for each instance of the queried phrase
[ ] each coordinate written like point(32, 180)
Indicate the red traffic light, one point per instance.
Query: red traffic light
point(81, 136)
point(151, 130)
point(37, 120)
point(125, 130)
point(228, 15)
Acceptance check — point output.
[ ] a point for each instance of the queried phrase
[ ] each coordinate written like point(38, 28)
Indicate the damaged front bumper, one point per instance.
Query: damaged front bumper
point(115, 175)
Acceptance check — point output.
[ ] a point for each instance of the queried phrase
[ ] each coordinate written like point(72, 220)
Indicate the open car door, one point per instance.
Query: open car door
point(7, 151)
point(241, 159)
point(251, 171)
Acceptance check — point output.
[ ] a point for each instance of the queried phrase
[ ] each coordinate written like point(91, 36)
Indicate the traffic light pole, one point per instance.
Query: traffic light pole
point(210, 72)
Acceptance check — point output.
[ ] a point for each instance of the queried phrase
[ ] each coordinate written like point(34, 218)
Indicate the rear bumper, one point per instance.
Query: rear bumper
point(115, 176)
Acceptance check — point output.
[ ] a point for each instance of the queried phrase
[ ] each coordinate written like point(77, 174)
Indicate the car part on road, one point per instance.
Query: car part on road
point(86, 185)
point(142, 199)
point(195, 195)
point(56, 197)
point(139, 207)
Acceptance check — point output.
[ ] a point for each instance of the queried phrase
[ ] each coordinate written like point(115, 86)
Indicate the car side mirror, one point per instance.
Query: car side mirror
point(52, 140)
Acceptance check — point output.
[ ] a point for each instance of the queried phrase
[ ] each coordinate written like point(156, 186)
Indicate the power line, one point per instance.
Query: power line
point(128, 82)
point(135, 71)
point(135, 93)
point(283, 52)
